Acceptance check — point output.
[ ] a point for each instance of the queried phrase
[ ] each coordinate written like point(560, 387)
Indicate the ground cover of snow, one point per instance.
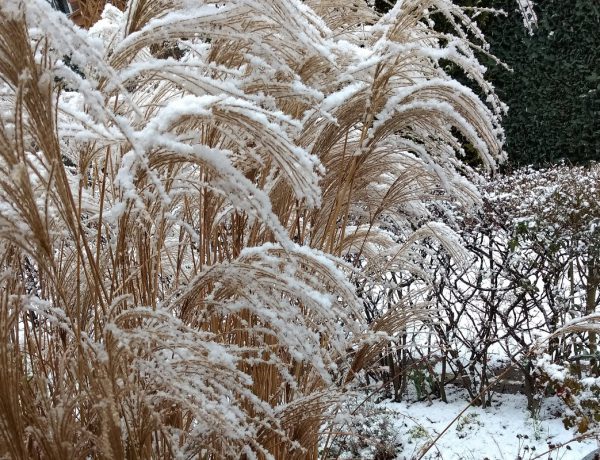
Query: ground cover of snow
point(501, 432)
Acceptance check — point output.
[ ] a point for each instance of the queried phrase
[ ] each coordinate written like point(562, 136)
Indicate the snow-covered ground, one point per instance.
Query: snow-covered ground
point(504, 431)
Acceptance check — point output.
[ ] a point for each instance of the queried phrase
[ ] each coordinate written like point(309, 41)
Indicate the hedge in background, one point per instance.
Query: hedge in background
point(553, 93)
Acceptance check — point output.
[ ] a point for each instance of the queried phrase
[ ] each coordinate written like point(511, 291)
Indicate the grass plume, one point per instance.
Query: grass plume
point(185, 201)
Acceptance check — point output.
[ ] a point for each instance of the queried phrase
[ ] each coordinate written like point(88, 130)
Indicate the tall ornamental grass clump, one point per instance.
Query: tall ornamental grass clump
point(188, 190)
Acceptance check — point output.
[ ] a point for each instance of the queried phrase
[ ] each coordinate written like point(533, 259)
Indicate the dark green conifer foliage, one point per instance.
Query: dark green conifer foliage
point(554, 90)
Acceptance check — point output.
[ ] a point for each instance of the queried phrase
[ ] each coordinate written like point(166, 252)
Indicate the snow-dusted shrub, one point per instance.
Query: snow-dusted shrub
point(188, 192)
point(362, 429)
point(534, 268)
point(576, 381)
point(580, 393)
point(554, 219)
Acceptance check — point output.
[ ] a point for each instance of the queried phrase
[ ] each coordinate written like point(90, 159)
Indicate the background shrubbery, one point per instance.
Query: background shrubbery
point(520, 303)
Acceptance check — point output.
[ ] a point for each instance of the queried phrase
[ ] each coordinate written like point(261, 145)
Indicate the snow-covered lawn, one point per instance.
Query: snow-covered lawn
point(504, 431)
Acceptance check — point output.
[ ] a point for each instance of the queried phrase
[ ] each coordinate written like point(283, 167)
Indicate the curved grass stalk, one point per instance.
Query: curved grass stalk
point(179, 188)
